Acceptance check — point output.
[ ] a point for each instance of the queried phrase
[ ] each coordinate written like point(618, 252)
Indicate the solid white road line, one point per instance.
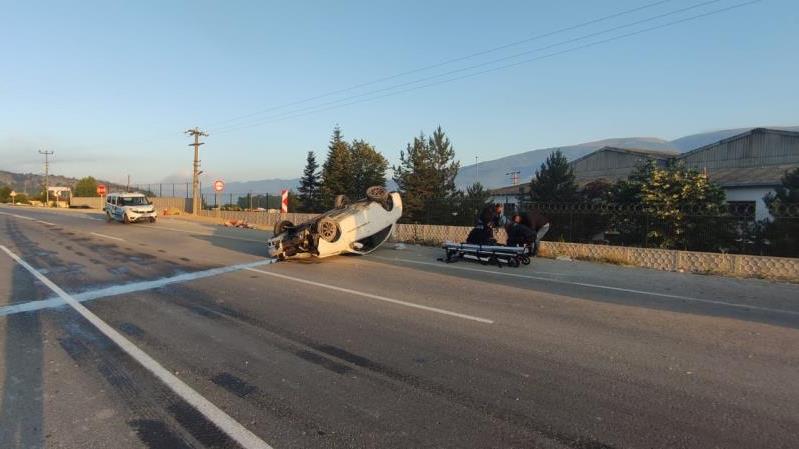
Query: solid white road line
point(221, 419)
point(30, 306)
point(45, 222)
point(377, 297)
point(107, 236)
point(23, 217)
point(598, 286)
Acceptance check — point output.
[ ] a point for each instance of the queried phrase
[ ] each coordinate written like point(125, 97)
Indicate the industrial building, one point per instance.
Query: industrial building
point(747, 166)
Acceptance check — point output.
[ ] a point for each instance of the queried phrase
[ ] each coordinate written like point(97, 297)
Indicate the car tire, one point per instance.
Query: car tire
point(379, 194)
point(341, 201)
point(108, 216)
point(328, 229)
point(281, 227)
point(125, 218)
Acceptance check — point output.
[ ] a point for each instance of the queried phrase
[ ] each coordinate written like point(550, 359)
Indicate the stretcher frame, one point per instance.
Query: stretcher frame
point(512, 256)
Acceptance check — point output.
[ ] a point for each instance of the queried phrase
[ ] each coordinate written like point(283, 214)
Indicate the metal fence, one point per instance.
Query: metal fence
point(733, 228)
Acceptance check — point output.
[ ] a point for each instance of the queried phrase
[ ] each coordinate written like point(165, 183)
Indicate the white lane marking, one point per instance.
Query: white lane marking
point(107, 236)
point(23, 217)
point(115, 290)
point(221, 419)
point(599, 286)
point(377, 297)
point(45, 222)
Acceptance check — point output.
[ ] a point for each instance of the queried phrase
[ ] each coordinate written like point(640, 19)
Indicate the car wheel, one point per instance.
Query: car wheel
point(281, 227)
point(327, 229)
point(108, 216)
point(125, 219)
point(379, 194)
point(341, 201)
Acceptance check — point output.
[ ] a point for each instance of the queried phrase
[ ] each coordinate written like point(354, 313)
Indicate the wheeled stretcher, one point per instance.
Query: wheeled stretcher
point(487, 254)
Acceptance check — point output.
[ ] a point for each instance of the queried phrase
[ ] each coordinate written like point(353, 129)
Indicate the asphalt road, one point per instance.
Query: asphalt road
point(179, 334)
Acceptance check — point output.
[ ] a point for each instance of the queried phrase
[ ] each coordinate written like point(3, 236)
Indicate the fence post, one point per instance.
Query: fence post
point(187, 190)
point(160, 190)
point(646, 230)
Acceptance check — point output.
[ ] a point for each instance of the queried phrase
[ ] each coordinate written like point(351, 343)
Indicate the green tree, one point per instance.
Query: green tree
point(470, 203)
point(86, 187)
point(310, 195)
point(684, 206)
point(554, 181)
point(368, 167)
point(782, 230)
point(337, 169)
point(5, 194)
point(426, 178)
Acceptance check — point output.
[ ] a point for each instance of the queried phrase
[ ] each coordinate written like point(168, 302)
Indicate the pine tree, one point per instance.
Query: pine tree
point(310, 196)
point(554, 181)
point(368, 167)
point(426, 178)
point(337, 169)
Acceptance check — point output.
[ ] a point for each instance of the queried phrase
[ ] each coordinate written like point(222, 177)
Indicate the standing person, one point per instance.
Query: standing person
point(499, 220)
point(539, 224)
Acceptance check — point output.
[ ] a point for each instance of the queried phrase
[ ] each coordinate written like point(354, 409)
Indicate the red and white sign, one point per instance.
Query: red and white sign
point(284, 201)
point(219, 185)
point(101, 189)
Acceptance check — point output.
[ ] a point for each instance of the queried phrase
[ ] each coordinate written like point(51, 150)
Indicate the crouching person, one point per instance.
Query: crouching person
point(519, 234)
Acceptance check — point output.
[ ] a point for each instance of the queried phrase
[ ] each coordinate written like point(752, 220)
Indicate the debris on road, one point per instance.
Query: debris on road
point(238, 224)
point(566, 258)
point(400, 246)
point(171, 211)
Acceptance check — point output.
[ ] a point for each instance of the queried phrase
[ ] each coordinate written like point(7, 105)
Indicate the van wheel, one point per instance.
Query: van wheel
point(108, 216)
point(327, 229)
point(125, 219)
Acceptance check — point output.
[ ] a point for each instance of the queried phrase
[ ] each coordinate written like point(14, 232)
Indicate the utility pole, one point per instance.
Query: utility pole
point(514, 177)
point(127, 186)
point(477, 168)
point(195, 187)
point(47, 155)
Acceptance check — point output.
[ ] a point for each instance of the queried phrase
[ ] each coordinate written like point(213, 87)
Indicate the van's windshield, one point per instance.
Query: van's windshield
point(133, 201)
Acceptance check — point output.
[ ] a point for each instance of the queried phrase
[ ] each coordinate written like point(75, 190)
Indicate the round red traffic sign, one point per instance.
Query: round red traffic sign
point(101, 189)
point(219, 185)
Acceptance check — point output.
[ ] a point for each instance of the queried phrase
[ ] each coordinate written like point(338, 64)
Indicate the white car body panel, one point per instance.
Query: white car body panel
point(143, 212)
point(357, 222)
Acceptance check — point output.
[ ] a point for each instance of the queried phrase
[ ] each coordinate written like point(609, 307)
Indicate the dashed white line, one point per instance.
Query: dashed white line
point(377, 297)
point(107, 236)
point(23, 217)
point(45, 222)
point(30, 306)
point(598, 286)
point(222, 420)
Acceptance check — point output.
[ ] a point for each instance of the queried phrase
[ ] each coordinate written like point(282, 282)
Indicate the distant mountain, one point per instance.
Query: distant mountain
point(493, 174)
point(31, 183)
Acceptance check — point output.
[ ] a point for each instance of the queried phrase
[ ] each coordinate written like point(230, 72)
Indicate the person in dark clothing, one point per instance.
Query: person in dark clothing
point(519, 234)
point(487, 221)
point(539, 224)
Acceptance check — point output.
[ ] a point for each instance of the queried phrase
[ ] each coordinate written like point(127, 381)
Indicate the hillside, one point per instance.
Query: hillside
point(30, 183)
point(493, 173)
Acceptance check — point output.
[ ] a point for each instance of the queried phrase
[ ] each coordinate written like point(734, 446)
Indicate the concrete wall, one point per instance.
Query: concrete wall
point(160, 203)
point(659, 259)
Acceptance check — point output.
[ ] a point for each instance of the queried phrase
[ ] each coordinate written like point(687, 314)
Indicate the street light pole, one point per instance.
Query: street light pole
point(195, 187)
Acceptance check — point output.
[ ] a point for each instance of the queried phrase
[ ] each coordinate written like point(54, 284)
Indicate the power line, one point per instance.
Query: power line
point(482, 64)
point(335, 104)
point(449, 61)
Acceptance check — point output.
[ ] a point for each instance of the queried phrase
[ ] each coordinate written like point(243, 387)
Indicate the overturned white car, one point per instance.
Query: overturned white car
point(357, 227)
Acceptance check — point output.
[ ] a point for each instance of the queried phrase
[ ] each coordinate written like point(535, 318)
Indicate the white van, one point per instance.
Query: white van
point(129, 208)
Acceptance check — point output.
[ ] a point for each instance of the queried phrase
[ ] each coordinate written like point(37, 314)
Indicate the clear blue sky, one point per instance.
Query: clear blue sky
point(110, 85)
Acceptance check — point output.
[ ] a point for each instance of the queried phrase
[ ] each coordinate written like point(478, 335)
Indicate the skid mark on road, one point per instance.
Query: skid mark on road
point(376, 297)
point(598, 286)
point(199, 404)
